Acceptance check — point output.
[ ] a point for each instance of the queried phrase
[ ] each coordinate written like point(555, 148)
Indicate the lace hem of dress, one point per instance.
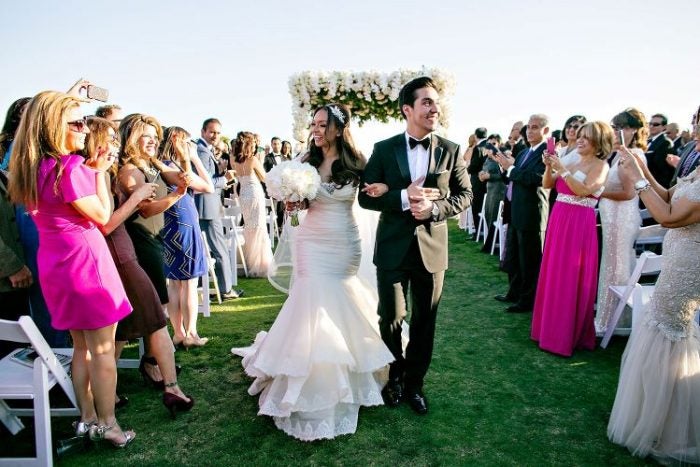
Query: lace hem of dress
point(672, 332)
point(324, 430)
point(274, 409)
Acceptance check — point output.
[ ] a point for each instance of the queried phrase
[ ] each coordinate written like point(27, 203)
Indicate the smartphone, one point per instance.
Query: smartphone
point(97, 93)
point(621, 138)
point(492, 148)
point(551, 145)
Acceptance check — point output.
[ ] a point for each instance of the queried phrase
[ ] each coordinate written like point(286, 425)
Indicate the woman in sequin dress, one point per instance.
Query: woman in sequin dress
point(566, 289)
point(657, 405)
point(257, 248)
point(620, 219)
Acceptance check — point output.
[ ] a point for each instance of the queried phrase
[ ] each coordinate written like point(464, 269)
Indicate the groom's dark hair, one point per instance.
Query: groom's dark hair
point(407, 95)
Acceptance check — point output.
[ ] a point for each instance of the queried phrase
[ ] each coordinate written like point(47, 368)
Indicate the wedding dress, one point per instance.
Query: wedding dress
point(657, 406)
point(323, 357)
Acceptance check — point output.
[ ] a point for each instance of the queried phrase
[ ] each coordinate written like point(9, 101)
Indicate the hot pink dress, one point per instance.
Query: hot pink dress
point(566, 291)
point(78, 277)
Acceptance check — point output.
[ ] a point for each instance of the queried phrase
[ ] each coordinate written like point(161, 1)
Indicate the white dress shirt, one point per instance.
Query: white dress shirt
point(418, 160)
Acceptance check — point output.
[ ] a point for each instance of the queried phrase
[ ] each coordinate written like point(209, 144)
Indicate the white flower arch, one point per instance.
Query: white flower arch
point(369, 94)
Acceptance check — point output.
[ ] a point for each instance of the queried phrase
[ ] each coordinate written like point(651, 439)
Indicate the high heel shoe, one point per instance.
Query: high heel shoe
point(97, 433)
point(195, 341)
point(83, 428)
point(173, 403)
point(144, 374)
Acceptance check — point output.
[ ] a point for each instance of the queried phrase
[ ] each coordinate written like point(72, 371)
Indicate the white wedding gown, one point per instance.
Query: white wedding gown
point(323, 357)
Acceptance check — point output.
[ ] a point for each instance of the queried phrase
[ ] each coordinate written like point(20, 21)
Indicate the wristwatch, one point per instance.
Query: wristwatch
point(435, 212)
point(641, 185)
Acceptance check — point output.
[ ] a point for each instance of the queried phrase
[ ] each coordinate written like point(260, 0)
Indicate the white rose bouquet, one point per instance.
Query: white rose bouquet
point(293, 181)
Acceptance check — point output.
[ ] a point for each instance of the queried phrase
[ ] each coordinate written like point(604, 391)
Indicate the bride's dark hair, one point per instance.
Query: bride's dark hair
point(350, 164)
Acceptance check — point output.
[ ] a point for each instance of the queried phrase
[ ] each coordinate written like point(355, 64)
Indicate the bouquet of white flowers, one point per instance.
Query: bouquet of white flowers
point(293, 181)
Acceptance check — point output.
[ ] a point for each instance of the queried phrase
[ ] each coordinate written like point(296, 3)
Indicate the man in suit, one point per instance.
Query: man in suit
point(673, 132)
point(476, 165)
point(689, 158)
point(275, 156)
point(660, 146)
point(210, 208)
point(529, 210)
point(428, 182)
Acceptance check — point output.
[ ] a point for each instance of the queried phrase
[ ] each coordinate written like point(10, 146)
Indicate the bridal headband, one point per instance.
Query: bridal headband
point(337, 113)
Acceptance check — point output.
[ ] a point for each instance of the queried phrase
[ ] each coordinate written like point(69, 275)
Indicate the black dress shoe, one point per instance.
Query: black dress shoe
point(517, 309)
point(392, 394)
point(418, 402)
point(504, 298)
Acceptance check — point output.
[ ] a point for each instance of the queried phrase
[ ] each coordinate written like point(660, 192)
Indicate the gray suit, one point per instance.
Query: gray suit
point(210, 211)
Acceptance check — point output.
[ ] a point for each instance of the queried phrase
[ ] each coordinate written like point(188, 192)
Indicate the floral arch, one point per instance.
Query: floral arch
point(370, 94)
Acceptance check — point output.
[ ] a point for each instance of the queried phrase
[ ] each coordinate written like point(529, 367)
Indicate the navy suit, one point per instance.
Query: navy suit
point(529, 211)
point(656, 154)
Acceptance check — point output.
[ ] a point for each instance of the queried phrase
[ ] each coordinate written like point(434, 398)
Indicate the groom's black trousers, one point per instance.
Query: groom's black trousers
point(425, 292)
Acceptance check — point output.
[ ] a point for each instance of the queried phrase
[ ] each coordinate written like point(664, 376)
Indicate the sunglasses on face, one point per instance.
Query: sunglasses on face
point(573, 126)
point(655, 124)
point(78, 125)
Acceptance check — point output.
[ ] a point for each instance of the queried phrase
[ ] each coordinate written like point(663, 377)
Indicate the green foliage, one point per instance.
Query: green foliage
point(495, 398)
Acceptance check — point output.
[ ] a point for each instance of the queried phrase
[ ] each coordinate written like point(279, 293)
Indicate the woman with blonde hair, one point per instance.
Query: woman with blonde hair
point(182, 241)
point(251, 175)
point(83, 291)
point(566, 289)
point(147, 319)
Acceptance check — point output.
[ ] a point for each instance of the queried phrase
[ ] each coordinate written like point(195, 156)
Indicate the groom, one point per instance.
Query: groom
point(428, 183)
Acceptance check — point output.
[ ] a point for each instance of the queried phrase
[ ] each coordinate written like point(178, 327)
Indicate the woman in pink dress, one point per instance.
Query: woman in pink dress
point(566, 290)
point(78, 277)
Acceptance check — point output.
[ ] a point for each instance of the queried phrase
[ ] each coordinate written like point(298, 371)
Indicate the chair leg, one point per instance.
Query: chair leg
point(42, 416)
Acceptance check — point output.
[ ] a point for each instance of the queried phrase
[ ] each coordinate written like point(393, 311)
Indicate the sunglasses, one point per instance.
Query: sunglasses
point(78, 125)
point(573, 126)
point(655, 124)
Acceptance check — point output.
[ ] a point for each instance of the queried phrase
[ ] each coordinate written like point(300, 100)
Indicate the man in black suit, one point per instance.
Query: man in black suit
point(476, 165)
point(660, 146)
point(428, 182)
point(275, 156)
point(689, 158)
point(529, 210)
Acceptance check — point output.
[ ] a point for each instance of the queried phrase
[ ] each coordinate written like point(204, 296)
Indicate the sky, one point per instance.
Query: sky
point(183, 61)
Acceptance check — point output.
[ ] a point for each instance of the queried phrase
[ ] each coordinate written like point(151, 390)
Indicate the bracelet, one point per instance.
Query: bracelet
point(565, 174)
point(645, 188)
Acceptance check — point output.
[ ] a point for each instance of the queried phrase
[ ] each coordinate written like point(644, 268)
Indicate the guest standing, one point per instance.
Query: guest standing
point(566, 290)
point(251, 174)
point(78, 278)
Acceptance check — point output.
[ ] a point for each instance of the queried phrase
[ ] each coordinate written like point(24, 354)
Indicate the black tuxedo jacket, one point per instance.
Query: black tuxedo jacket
point(397, 228)
point(529, 206)
point(269, 162)
point(476, 163)
point(656, 154)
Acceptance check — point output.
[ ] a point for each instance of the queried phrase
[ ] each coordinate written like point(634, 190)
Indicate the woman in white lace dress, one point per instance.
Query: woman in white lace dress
point(323, 357)
point(257, 248)
point(620, 219)
point(657, 406)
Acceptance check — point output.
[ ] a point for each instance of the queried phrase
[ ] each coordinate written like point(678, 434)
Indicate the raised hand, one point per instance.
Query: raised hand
point(147, 191)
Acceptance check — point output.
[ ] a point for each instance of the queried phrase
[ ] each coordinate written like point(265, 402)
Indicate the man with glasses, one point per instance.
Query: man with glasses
point(660, 146)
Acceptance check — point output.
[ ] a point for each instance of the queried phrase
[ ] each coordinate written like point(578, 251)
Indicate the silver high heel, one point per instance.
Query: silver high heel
point(97, 433)
point(83, 428)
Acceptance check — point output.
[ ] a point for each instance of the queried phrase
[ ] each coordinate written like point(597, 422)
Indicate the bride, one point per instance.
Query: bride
point(323, 357)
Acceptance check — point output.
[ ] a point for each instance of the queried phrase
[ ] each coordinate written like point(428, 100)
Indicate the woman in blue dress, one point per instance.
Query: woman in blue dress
point(183, 249)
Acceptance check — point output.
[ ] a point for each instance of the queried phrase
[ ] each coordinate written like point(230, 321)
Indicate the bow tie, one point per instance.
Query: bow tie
point(412, 143)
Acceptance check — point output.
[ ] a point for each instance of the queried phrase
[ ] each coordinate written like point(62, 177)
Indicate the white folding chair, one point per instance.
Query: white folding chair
point(19, 381)
point(235, 239)
point(483, 228)
point(498, 236)
point(208, 277)
point(650, 235)
point(633, 293)
point(133, 362)
point(273, 231)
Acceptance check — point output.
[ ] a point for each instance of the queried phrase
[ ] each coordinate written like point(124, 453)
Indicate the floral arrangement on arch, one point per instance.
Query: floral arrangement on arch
point(368, 94)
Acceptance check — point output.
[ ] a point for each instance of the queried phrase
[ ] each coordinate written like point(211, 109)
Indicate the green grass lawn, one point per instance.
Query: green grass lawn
point(495, 398)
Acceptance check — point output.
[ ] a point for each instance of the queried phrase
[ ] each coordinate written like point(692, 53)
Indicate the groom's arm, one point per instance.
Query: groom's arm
point(460, 190)
point(375, 173)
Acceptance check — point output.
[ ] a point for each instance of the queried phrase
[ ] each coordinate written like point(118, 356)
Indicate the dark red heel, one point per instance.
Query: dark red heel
point(174, 403)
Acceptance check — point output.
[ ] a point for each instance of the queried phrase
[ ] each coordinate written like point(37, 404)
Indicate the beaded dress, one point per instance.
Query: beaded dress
point(620, 221)
point(657, 406)
point(257, 248)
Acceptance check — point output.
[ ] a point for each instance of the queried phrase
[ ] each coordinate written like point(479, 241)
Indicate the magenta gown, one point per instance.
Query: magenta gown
point(78, 277)
point(566, 291)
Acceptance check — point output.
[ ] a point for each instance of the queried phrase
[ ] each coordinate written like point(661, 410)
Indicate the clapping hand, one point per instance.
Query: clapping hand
point(375, 190)
point(145, 192)
point(102, 161)
point(504, 160)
